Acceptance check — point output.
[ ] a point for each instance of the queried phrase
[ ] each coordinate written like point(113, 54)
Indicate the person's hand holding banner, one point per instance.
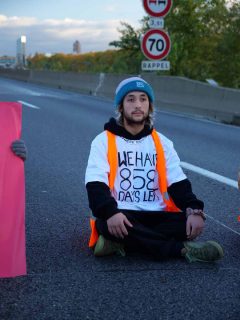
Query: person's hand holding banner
point(19, 148)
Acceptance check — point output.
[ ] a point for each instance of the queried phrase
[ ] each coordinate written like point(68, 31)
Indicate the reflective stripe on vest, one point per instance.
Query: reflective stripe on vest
point(160, 166)
point(162, 174)
point(113, 164)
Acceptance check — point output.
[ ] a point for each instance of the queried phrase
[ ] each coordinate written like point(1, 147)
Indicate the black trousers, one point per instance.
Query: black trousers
point(160, 234)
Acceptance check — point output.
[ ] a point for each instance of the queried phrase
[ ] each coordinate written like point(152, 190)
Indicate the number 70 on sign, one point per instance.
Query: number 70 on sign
point(156, 44)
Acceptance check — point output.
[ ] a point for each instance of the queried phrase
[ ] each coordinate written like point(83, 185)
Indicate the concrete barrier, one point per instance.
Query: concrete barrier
point(22, 75)
point(172, 93)
point(81, 82)
point(195, 97)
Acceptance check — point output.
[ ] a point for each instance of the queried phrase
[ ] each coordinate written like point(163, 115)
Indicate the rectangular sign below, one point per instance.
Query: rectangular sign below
point(156, 23)
point(149, 65)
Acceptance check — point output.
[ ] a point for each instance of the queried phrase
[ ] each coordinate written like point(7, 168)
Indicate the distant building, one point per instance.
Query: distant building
point(48, 55)
point(7, 62)
point(76, 47)
point(21, 52)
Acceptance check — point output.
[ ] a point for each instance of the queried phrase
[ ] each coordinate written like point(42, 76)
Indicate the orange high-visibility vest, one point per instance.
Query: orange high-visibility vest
point(113, 163)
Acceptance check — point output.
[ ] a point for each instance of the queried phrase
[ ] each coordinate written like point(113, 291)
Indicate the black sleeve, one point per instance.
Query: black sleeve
point(101, 202)
point(183, 197)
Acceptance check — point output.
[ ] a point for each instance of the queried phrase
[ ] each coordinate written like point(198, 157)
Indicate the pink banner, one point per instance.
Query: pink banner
point(12, 194)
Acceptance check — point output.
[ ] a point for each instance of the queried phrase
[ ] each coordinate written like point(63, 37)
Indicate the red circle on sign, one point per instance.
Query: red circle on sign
point(146, 4)
point(145, 49)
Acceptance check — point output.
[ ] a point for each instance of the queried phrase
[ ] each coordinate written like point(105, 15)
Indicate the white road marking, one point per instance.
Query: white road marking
point(216, 177)
point(209, 174)
point(28, 104)
point(222, 224)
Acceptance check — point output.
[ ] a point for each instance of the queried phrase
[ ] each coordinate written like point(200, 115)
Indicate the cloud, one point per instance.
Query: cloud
point(13, 22)
point(83, 30)
point(55, 35)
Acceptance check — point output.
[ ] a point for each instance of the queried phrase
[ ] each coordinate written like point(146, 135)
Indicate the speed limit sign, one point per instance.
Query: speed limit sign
point(156, 44)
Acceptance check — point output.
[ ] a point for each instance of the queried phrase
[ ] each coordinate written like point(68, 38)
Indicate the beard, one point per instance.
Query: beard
point(131, 121)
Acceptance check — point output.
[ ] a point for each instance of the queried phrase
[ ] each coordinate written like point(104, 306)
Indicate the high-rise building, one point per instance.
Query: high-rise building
point(76, 47)
point(21, 52)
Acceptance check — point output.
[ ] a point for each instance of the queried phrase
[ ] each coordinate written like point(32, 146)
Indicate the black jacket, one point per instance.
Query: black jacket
point(103, 205)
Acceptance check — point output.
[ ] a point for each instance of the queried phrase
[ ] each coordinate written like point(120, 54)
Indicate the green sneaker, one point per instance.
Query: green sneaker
point(106, 247)
point(208, 251)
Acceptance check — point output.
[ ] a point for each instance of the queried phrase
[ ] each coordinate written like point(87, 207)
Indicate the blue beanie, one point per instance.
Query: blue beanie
point(132, 84)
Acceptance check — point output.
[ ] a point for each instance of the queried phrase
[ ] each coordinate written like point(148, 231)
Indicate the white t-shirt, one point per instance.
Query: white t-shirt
point(136, 185)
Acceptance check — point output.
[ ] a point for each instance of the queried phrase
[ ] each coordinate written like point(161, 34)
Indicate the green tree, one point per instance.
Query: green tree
point(195, 28)
point(227, 55)
point(129, 39)
point(130, 48)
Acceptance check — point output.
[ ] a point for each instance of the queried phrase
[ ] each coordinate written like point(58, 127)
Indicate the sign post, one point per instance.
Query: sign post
point(155, 43)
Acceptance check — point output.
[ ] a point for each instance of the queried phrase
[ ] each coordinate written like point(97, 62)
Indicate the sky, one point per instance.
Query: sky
point(51, 26)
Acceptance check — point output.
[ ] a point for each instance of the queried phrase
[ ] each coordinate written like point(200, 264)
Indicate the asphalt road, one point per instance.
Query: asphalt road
point(65, 280)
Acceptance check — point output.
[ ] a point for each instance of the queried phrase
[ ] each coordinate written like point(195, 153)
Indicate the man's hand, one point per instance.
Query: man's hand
point(195, 225)
point(19, 148)
point(117, 225)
